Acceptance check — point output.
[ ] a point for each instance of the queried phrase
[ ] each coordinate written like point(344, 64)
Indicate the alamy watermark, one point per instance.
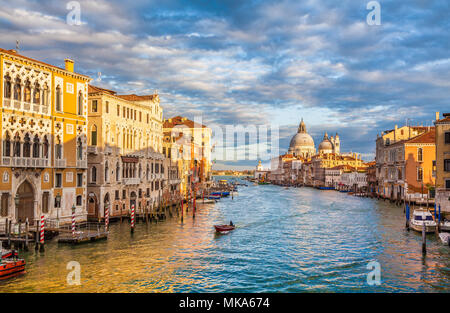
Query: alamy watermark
point(74, 15)
point(374, 276)
point(374, 16)
point(74, 276)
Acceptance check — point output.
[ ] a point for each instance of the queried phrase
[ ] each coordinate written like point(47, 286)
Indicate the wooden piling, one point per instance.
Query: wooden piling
point(27, 225)
point(19, 244)
point(36, 247)
point(9, 234)
point(424, 239)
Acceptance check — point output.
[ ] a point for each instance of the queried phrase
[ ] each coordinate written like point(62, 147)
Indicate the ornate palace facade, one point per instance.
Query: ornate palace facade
point(44, 139)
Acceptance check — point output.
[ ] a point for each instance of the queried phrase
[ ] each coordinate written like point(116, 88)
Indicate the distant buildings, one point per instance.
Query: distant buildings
point(188, 145)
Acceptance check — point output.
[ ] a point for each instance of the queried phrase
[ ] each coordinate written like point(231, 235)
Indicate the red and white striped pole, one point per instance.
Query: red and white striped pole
point(41, 234)
point(107, 216)
point(132, 218)
point(73, 221)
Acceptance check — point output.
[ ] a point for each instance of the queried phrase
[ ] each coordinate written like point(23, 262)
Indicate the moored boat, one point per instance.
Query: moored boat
point(445, 225)
point(9, 254)
point(445, 238)
point(421, 217)
point(11, 268)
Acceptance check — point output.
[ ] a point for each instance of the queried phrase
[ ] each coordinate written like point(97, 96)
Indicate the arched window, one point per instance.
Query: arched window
point(117, 171)
point(26, 146)
point(106, 172)
point(37, 94)
point(94, 136)
point(7, 145)
point(27, 92)
point(7, 87)
point(147, 171)
point(94, 174)
point(17, 145)
point(58, 148)
point(58, 99)
point(80, 103)
point(45, 95)
point(36, 147)
point(17, 90)
point(79, 149)
point(140, 171)
point(45, 148)
point(419, 154)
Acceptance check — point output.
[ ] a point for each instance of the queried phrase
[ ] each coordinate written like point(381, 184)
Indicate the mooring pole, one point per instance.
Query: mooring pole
point(182, 210)
point(20, 234)
point(9, 234)
point(27, 225)
point(132, 218)
point(36, 236)
point(424, 239)
point(41, 248)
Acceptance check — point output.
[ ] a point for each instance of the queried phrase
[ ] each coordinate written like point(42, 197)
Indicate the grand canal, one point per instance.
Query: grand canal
point(287, 240)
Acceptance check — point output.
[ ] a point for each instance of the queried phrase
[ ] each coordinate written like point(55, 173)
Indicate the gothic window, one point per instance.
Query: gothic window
point(94, 136)
point(27, 92)
point(17, 145)
point(58, 148)
point(37, 94)
point(79, 149)
point(79, 200)
point(36, 147)
point(45, 148)
point(45, 95)
point(117, 171)
point(58, 99)
point(147, 171)
point(17, 89)
point(80, 103)
point(140, 171)
point(26, 146)
point(7, 87)
point(419, 174)
point(7, 145)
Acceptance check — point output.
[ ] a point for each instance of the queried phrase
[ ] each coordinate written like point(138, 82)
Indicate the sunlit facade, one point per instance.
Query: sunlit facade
point(44, 139)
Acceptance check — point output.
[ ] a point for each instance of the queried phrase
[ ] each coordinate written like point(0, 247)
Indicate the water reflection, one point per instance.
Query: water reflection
point(287, 240)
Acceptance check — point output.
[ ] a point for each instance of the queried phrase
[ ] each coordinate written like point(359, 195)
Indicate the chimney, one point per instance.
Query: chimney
point(69, 65)
point(437, 116)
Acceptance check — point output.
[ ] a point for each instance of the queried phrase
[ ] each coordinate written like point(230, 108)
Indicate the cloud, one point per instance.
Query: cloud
point(255, 62)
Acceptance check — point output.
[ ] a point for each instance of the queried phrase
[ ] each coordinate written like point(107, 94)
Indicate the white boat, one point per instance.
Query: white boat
point(420, 217)
point(445, 238)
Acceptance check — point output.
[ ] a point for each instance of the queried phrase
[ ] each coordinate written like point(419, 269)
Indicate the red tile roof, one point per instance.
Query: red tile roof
point(427, 137)
point(179, 120)
point(95, 89)
point(134, 97)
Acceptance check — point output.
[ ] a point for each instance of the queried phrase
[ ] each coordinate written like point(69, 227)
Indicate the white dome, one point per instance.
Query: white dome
point(326, 145)
point(301, 140)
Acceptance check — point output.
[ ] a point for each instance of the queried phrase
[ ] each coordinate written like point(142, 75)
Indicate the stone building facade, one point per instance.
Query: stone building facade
point(442, 168)
point(125, 159)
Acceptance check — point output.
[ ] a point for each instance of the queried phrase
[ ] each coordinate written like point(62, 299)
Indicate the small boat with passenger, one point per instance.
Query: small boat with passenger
point(225, 227)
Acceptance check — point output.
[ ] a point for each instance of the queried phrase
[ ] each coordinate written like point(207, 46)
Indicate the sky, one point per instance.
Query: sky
point(255, 63)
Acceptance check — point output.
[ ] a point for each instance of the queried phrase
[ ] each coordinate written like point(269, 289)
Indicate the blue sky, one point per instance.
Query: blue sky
point(256, 62)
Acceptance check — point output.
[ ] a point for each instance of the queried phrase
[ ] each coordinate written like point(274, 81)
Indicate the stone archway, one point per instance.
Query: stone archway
point(92, 206)
point(25, 209)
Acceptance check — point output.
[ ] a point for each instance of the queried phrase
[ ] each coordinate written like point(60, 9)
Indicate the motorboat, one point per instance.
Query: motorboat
point(224, 228)
point(11, 267)
point(420, 217)
point(445, 225)
point(9, 254)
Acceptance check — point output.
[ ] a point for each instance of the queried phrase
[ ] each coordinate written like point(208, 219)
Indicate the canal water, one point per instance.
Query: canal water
point(287, 240)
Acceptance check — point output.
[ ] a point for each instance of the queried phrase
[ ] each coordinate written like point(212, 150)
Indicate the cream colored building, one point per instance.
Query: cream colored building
point(443, 161)
point(126, 163)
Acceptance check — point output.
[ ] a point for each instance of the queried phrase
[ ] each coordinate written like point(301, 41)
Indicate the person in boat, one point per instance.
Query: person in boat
point(231, 223)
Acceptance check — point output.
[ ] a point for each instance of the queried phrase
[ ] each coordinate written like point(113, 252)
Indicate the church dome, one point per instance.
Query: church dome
point(326, 145)
point(302, 144)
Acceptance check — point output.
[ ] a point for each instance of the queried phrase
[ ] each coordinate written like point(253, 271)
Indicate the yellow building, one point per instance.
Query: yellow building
point(189, 145)
point(443, 161)
point(126, 164)
point(44, 142)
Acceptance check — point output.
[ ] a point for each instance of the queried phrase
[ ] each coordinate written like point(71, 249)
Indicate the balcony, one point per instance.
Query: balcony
point(6, 103)
point(131, 181)
point(81, 163)
point(92, 150)
point(25, 162)
point(60, 163)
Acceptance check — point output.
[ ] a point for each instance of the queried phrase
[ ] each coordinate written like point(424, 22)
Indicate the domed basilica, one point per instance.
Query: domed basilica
point(302, 144)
